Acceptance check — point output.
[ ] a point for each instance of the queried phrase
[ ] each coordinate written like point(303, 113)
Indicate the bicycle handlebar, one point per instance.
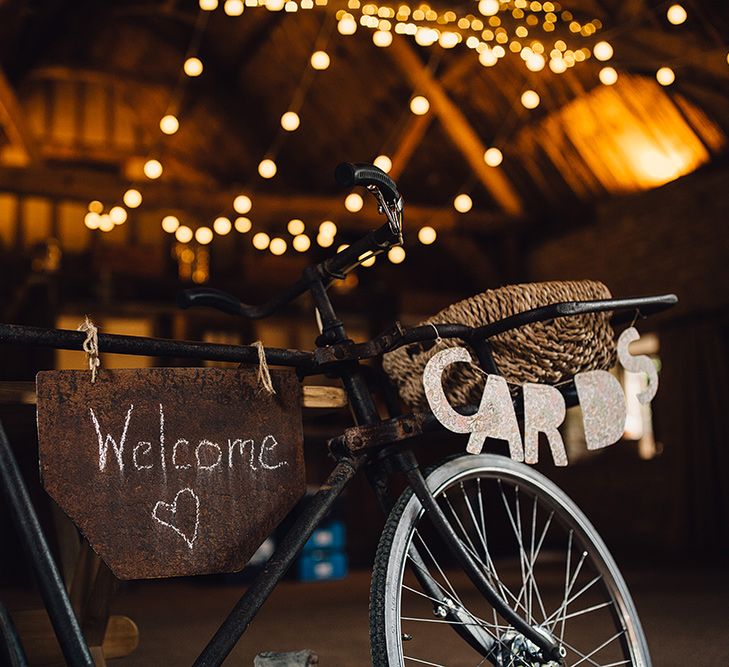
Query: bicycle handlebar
point(348, 175)
point(336, 267)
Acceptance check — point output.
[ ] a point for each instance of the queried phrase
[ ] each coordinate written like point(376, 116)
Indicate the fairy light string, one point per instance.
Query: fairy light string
point(544, 35)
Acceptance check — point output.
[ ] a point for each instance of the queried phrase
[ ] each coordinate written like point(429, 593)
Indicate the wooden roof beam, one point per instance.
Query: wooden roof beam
point(417, 126)
point(13, 122)
point(463, 136)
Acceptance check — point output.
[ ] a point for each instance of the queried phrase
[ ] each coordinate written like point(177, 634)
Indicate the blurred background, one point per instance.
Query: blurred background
point(150, 146)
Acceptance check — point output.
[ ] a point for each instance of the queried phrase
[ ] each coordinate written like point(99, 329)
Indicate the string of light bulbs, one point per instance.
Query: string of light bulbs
point(497, 28)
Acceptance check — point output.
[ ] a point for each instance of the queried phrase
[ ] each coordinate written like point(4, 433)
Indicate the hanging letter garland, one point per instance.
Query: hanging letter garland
point(599, 392)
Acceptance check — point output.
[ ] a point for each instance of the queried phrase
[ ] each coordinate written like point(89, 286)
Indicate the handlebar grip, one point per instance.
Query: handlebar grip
point(361, 173)
point(213, 298)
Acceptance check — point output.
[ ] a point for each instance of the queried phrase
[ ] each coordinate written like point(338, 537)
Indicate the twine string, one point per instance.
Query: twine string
point(91, 345)
point(264, 375)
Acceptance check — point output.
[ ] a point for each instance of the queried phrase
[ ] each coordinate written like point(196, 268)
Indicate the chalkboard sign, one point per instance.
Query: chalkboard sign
point(171, 471)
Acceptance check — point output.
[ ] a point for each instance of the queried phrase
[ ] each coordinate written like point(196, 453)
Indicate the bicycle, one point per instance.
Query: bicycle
point(533, 574)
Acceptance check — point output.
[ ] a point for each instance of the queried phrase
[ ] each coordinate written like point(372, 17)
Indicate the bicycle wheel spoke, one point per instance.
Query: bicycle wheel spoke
point(422, 662)
point(599, 648)
point(523, 560)
point(566, 580)
point(489, 567)
point(536, 555)
point(573, 598)
point(595, 607)
point(489, 560)
point(440, 569)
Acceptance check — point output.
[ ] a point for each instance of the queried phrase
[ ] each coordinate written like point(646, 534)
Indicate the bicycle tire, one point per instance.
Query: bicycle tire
point(386, 619)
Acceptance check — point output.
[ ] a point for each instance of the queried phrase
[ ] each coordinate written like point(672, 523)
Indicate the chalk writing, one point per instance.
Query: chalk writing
point(206, 454)
point(104, 441)
point(171, 519)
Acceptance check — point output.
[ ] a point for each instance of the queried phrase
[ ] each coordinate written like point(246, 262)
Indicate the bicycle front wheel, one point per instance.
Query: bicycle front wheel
point(536, 548)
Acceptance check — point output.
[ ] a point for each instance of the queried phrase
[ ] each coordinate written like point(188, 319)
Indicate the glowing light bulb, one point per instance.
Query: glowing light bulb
point(233, 7)
point(169, 124)
point(603, 51)
point(320, 60)
point(208, 5)
point(344, 246)
point(324, 241)
point(676, 14)
point(260, 241)
point(277, 246)
point(535, 62)
point(132, 198)
point(153, 169)
point(290, 121)
point(243, 225)
point(170, 224)
point(96, 206)
point(487, 58)
point(203, 235)
point(426, 36)
point(267, 168)
point(488, 7)
point(493, 157)
point(222, 226)
point(118, 215)
point(106, 224)
point(193, 67)
point(242, 204)
point(427, 235)
point(396, 254)
point(347, 25)
point(328, 229)
point(665, 76)
point(608, 76)
point(301, 243)
point(558, 65)
point(295, 227)
point(419, 105)
point(92, 219)
point(275, 5)
point(183, 234)
point(530, 99)
point(462, 203)
point(367, 260)
point(384, 163)
point(353, 202)
point(448, 39)
point(382, 38)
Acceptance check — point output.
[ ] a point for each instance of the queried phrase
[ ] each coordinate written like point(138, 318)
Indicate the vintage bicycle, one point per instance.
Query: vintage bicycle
point(482, 560)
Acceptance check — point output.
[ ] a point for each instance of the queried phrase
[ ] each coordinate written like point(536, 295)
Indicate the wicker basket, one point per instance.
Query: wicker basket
point(547, 352)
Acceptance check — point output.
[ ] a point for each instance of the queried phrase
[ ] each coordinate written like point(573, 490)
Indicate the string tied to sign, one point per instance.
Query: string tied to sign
point(264, 375)
point(91, 345)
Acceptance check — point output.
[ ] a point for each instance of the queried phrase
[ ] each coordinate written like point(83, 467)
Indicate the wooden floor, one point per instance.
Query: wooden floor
point(684, 612)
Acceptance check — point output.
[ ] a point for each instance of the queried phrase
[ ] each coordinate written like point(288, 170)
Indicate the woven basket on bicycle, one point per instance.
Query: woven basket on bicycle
point(547, 352)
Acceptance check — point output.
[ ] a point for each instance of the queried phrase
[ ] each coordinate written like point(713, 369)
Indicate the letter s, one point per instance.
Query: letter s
point(637, 364)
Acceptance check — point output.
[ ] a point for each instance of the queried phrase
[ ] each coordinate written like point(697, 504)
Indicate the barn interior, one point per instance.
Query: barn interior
point(148, 146)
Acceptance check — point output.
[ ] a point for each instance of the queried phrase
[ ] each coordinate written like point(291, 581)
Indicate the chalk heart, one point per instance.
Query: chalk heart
point(181, 515)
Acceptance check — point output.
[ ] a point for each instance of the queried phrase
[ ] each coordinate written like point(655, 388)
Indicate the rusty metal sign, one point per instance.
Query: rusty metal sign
point(171, 471)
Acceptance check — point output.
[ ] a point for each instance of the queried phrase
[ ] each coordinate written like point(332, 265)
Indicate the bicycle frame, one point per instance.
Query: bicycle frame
point(368, 444)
